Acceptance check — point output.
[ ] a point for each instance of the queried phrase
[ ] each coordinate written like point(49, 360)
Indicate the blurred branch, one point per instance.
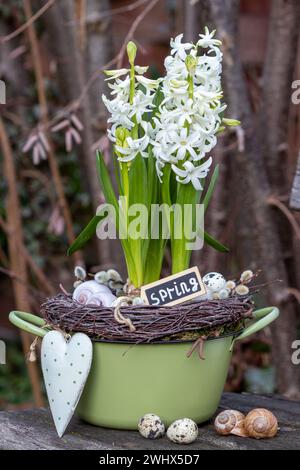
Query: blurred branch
point(251, 165)
point(295, 193)
point(63, 204)
point(133, 29)
point(28, 23)
point(16, 258)
point(273, 201)
point(75, 105)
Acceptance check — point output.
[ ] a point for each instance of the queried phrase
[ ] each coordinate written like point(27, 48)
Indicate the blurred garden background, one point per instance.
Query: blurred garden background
point(52, 55)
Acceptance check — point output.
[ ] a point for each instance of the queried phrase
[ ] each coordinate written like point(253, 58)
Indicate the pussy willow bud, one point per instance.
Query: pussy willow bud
point(131, 52)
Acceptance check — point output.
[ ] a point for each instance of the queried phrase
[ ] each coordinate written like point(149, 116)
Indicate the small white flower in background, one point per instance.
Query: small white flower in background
point(192, 173)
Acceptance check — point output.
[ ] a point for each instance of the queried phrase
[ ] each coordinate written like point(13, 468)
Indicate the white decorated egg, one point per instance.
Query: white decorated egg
point(93, 293)
point(214, 282)
point(183, 431)
point(151, 426)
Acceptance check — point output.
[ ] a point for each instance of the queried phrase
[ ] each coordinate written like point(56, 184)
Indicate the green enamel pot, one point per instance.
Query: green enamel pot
point(126, 380)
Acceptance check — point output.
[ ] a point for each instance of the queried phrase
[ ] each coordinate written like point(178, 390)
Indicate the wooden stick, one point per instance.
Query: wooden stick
point(17, 261)
point(63, 204)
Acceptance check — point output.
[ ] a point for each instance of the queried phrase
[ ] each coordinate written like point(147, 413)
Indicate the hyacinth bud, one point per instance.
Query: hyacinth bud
point(191, 64)
point(231, 122)
point(131, 52)
point(121, 136)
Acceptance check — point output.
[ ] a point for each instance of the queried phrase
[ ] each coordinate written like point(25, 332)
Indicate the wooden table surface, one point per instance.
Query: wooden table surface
point(33, 429)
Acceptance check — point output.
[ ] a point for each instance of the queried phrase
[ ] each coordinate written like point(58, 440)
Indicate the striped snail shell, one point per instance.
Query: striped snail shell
point(261, 423)
point(230, 422)
point(93, 293)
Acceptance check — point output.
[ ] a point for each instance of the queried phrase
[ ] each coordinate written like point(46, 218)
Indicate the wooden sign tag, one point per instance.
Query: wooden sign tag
point(174, 289)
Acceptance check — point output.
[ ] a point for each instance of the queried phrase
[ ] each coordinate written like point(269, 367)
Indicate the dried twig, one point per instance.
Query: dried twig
point(288, 214)
point(28, 23)
point(151, 323)
point(63, 204)
point(16, 259)
point(132, 30)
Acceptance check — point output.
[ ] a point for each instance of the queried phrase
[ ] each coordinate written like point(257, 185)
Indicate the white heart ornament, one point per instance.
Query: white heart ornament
point(66, 366)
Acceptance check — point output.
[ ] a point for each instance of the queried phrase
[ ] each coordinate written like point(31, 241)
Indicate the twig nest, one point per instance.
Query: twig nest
point(93, 293)
point(261, 423)
point(230, 422)
point(183, 431)
point(151, 426)
point(214, 282)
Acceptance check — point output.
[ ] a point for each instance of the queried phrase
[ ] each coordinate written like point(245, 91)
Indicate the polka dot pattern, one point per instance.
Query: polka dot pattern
point(65, 366)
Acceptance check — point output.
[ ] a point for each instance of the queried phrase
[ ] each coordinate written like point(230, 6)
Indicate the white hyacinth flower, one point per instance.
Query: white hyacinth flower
point(192, 173)
point(207, 39)
point(134, 147)
point(179, 48)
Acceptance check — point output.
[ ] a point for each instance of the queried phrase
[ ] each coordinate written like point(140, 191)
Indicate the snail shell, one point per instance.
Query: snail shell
point(93, 293)
point(230, 422)
point(261, 423)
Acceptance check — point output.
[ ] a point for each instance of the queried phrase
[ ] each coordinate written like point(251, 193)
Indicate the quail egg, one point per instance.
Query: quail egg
point(183, 431)
point(151, 426)
point(214, 282)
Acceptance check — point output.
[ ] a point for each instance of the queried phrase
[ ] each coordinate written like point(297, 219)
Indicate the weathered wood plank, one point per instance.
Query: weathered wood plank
point(33, 429)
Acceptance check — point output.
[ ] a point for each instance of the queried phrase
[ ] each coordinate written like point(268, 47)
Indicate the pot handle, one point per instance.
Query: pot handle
point(28, 322)
point(262, 318)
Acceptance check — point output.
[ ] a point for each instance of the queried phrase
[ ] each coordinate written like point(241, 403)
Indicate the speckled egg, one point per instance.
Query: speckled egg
point(151, 426)
point(214, 281)
point(183, 431)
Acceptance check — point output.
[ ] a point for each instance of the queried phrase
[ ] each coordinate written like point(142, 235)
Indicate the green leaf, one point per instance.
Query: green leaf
point(211, 187)
point(138, 194)
point(86, 234)
point(215, 243)
point(105, 182)
point(138, 184)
